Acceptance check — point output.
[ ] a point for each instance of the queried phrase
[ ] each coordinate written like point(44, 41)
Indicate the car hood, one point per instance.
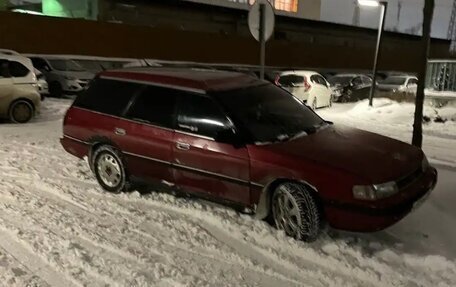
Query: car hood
point(83, 75)
point(376, 158)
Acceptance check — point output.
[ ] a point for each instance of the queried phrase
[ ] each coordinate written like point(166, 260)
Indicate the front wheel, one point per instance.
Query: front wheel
point(296, 211)
point(109, 169)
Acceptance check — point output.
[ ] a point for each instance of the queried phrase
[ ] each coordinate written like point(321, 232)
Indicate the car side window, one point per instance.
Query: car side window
point(314, 79)
point(357, 81)
point(201, 115)
point(412, 82)
point(4, 69)
point(40, 64)
point(154, 105)
point(107, 96)
point(322, 81)
point(18, 70)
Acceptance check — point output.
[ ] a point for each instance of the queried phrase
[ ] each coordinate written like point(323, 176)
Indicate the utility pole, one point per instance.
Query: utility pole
point(356, 15)
point(428, 12)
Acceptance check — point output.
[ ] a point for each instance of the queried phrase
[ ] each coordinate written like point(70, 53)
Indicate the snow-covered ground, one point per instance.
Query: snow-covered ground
point(58, 228)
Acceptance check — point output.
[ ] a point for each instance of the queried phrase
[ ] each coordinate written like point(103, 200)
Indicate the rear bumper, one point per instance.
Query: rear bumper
point(368, 218)
point(75, 147)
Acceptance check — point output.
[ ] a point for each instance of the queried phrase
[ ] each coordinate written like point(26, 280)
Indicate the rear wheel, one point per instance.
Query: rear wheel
point(296, 211)
point(109, 169)
point(314, 105)
point(20, 112)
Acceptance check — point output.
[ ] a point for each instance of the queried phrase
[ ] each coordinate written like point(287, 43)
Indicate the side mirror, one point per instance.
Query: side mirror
point(228, 136)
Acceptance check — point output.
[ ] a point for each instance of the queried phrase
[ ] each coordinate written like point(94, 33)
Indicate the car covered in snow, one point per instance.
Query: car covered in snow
point(235, 139)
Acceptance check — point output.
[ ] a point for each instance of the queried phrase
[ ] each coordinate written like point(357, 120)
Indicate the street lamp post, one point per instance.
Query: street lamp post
point(384, 6)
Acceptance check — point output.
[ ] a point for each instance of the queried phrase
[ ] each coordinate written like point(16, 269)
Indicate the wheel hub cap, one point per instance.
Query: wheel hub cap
point(109, 170)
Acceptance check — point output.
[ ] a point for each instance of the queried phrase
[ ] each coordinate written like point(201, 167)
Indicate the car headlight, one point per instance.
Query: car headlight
point(424, 164)
point(375, 192)
point(69, 78)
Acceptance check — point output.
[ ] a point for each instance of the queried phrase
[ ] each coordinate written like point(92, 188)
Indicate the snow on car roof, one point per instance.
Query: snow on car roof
point(195, 80)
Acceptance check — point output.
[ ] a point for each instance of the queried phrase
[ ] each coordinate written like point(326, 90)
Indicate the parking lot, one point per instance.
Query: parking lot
point(60, 229)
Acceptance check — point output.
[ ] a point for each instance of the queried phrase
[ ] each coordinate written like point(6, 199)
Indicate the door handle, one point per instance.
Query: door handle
point(182, 146)
point(120, 132)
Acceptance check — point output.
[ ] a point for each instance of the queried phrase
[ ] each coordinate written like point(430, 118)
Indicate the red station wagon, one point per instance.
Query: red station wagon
point(235, 139)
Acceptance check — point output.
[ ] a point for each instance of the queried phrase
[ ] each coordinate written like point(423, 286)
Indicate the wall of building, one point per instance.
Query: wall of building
point(87, 9)
point(316, 45)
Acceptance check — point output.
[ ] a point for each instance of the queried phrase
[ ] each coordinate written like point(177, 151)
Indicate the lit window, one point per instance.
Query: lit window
point(283, 5)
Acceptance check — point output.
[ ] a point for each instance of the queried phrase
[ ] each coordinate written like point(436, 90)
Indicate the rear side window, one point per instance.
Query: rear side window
point(18, 70)
point(201, 115)
point(4, 70)
point(154, 105)
point(107, 96)
point(291, 80)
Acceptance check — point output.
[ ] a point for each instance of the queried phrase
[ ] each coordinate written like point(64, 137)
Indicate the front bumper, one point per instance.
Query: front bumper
point(376, 216)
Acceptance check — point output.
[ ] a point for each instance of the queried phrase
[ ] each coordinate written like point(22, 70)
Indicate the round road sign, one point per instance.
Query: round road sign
point(254, 19)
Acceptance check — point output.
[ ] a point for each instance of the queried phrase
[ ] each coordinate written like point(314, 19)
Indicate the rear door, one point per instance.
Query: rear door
point(203, 164)
point(148, 138)
point(294, 84)
point(6, 87)
point(324, 92)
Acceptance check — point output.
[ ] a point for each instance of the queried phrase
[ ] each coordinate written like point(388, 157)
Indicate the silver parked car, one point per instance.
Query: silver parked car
point(404, 84)
point(64, 76)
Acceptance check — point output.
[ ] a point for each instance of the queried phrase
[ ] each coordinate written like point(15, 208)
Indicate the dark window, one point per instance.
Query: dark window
point(201, 115)
point(40, 64)
point(107, 96)
point(17, 69)
point(357, 81)
point(4, 70)
point(291, 80)
point(413, 82)
point(314, 79)
point(320, 80)
point(155, 106)
point(267, 113)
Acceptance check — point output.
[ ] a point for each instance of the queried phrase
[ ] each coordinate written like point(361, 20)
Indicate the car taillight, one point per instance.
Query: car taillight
point(307, 86)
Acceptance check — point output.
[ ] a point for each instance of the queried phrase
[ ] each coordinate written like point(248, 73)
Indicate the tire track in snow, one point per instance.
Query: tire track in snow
point(24, 254)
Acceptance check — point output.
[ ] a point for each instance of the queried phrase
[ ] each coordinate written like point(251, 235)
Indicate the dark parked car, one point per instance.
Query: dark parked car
point(235, 139)
point(350, 87)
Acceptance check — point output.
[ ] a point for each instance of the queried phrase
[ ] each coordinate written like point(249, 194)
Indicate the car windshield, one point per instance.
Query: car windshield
point(66, 65)
point(339, 80)
point(291, 80)
point(269, 114)
point(394, 81)
point(90, 65)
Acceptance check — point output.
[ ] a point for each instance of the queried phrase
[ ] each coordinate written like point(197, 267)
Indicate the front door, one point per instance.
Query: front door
point(201, 163)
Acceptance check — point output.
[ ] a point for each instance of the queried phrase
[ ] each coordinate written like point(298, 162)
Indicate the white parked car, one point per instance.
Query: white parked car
point(309, 87)
point(19, 97)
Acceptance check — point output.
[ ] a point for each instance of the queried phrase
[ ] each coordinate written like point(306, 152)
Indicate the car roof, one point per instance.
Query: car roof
point(299, 72)
point(350, 75)
point(194, 80)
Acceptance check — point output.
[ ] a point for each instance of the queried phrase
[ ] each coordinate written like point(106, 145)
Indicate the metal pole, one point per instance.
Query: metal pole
point(384, 6)
point(262, 40)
